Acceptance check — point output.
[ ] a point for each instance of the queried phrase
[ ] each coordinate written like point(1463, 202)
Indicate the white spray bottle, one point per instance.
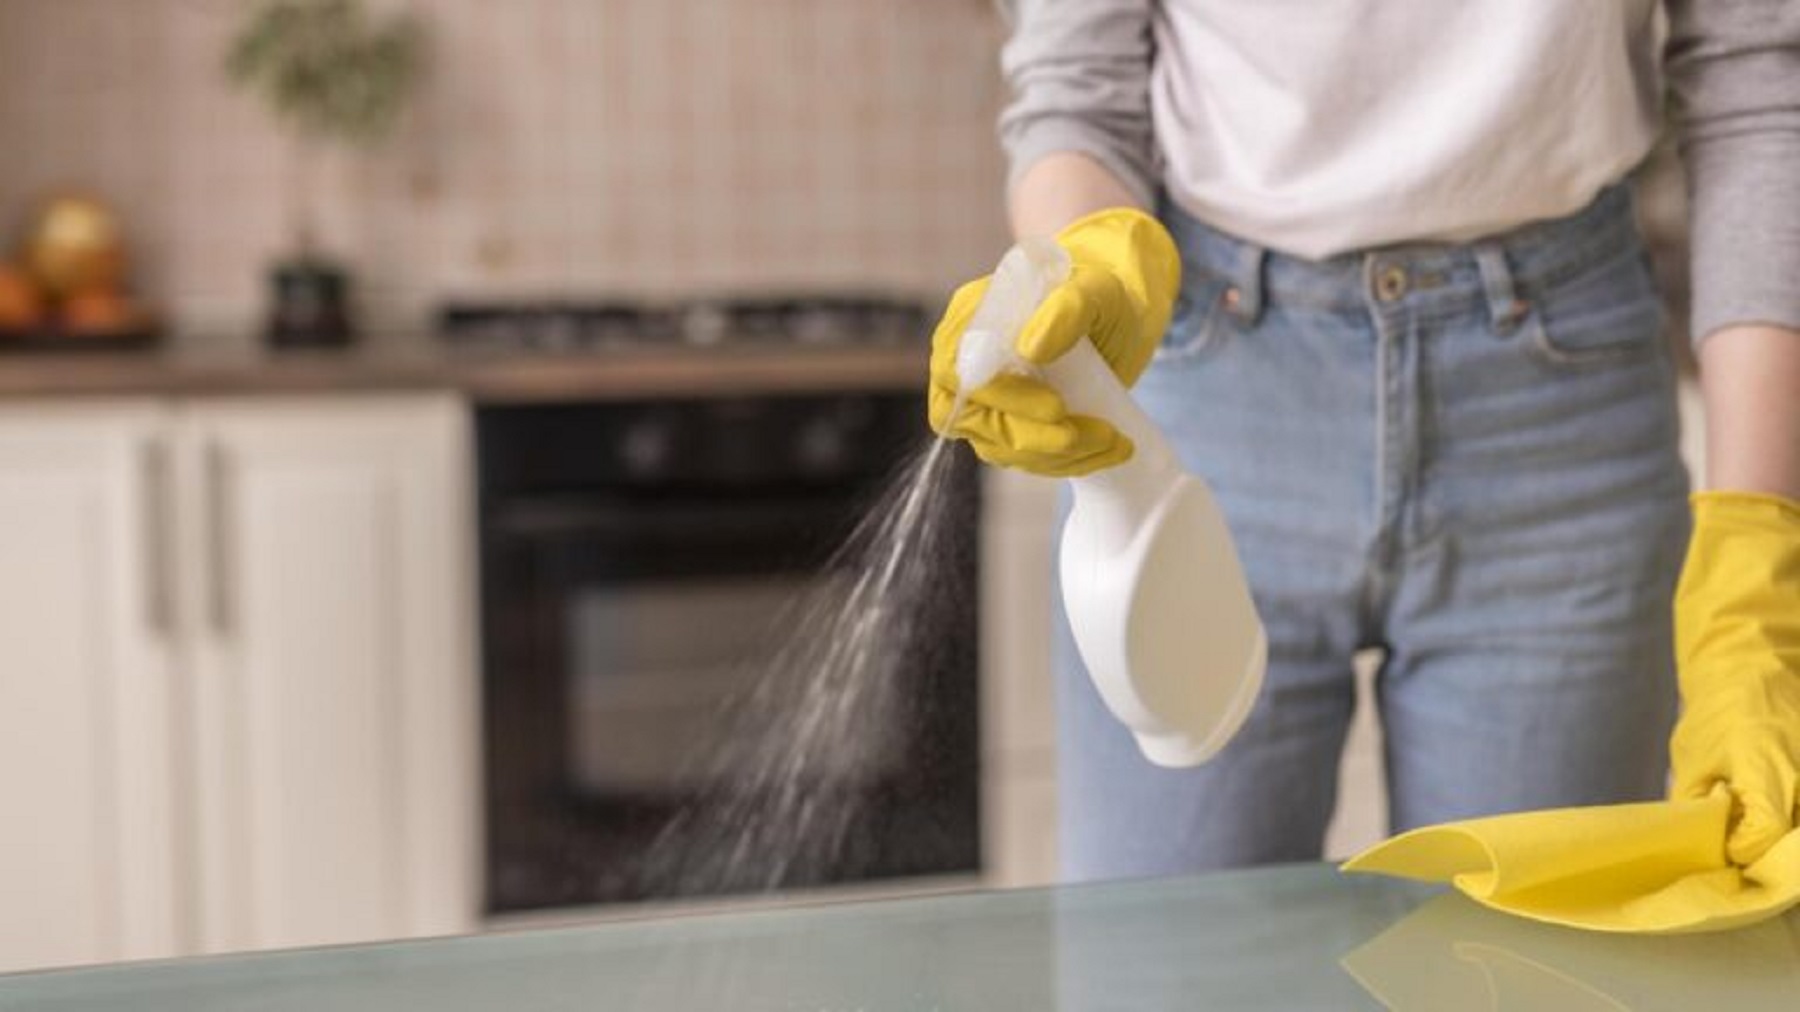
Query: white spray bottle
point(1151, 582)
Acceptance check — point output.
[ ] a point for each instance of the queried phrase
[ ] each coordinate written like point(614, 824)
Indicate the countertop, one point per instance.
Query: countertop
point(485, 378)
point(1298, 937)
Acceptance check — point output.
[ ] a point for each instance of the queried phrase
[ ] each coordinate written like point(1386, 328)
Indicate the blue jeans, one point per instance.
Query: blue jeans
point(1463, 455)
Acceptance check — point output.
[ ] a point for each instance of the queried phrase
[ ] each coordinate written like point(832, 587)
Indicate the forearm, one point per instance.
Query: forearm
point(1734, 72)
point(1737, 607)
point(1078, 132)
point(1062, 187)
point(1750, 377)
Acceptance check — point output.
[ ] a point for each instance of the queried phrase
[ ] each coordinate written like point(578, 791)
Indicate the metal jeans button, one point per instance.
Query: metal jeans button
point(1390, 283)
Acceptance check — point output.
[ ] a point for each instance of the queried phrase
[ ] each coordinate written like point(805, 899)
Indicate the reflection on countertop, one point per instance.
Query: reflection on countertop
point(1452, 953)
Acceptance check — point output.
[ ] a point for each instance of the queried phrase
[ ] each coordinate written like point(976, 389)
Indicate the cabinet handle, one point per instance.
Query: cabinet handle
point(219, 520)
point(158, 600)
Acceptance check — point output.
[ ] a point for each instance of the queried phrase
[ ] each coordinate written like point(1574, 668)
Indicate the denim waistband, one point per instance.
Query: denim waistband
point(1506, 268)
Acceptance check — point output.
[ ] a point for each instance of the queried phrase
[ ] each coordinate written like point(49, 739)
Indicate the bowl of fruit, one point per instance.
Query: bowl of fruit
point(67, 287)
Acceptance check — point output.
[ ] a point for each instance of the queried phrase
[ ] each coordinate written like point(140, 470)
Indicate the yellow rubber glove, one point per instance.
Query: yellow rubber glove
point(1737, 645)
point(1119, 294)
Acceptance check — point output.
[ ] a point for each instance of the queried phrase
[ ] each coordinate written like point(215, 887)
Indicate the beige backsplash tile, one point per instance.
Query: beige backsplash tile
point(574, 147)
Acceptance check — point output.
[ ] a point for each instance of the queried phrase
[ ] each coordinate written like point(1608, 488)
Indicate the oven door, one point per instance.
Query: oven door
point(619, 629)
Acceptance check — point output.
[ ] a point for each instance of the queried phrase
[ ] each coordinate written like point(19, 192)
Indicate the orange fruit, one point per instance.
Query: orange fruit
point(74, 245)
point(21, 302)
point(99, 312)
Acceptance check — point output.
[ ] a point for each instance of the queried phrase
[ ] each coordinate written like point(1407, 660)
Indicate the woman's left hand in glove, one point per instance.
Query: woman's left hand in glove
point(1737, 643)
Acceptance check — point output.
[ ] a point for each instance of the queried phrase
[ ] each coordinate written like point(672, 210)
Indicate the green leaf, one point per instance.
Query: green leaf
point(326, 69)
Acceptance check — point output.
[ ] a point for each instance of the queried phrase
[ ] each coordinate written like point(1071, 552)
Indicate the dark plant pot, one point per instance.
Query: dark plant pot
point(310, 307)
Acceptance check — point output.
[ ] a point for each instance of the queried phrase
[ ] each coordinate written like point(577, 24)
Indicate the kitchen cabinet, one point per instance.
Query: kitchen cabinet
point(333, 688)
point(87, 746)
point(246, 628)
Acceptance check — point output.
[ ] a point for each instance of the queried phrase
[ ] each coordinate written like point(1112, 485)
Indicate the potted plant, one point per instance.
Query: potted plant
point(334, 76)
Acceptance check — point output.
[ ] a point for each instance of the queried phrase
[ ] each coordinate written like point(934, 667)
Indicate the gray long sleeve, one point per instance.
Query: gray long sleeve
point(1734, 68)
point(1080, 74)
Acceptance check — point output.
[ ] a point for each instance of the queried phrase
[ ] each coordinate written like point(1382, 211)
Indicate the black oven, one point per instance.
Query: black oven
point(635, 556)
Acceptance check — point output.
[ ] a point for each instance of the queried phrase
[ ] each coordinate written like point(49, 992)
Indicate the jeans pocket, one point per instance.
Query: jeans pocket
point(1198, 321)
point(1609, 314)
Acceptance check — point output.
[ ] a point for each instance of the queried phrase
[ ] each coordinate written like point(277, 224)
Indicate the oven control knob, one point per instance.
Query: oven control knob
point(823, 446)
point(647, 447)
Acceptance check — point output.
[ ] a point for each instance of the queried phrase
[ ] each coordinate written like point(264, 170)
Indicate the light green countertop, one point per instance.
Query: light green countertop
point(1301, 937)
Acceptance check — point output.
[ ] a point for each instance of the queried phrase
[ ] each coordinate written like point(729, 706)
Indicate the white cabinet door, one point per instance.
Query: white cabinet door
point(87, 751)
point(334, 683)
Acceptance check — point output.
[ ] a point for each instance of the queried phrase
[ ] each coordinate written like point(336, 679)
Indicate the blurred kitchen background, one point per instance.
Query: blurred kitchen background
point(395, 599)
point(555, 148)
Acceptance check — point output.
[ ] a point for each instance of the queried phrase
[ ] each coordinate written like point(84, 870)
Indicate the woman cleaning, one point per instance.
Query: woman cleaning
point(1373, 268)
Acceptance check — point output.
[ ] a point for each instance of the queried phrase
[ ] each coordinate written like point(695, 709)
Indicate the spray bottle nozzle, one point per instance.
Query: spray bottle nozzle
point(1025, 276)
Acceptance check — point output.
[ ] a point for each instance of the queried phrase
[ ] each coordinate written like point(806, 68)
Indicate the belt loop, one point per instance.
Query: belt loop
point(1505, 308)
point(1247, 282)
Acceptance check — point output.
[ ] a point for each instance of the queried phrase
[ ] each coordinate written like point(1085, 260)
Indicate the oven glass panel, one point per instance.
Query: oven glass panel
point(654, 670)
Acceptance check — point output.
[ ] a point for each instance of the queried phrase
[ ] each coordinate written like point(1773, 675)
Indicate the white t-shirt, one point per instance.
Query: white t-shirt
point(1318, 128)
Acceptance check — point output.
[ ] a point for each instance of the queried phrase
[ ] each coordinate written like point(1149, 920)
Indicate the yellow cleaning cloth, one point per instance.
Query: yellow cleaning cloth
point(1655, 868)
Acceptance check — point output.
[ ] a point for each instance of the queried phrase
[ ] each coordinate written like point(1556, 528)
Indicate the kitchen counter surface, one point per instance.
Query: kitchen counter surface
point(1299, 937)
point(486, 378)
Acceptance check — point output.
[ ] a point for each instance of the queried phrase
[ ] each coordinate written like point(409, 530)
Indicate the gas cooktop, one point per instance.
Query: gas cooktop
point(603, 326)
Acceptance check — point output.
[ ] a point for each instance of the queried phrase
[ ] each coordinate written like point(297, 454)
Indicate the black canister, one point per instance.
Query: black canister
point(311, 306)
